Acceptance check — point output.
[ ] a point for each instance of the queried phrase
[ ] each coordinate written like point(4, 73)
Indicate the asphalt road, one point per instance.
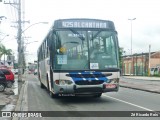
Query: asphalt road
point(125, 100)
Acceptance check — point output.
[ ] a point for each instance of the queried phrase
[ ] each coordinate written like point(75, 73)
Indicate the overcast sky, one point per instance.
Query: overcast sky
point(145, 29)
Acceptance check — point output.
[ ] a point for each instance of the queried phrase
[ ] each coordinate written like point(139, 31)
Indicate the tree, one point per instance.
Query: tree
point(1, 50)
point(4, 51)
point(121, 51)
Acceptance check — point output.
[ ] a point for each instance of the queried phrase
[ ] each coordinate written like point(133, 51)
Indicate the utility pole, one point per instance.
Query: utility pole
point(19, 40)
point(20, 51)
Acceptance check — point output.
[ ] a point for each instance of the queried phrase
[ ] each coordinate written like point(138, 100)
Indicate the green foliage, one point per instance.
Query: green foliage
point(121, 51)
point(4, 51)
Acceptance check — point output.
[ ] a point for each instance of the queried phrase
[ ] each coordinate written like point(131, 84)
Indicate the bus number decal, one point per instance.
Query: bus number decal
point(62, 59)
point(94, 66)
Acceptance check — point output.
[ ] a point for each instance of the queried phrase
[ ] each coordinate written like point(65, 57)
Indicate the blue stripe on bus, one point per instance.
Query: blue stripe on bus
point(82, 74)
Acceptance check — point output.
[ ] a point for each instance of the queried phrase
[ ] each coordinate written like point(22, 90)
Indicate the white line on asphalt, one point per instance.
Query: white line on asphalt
point(128, 103)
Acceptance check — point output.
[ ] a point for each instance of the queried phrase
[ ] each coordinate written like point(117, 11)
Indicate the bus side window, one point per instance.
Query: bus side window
point(50, 39)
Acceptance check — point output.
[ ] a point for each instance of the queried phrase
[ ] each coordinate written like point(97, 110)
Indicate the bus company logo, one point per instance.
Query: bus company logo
point(6, 114)
point(89, 80)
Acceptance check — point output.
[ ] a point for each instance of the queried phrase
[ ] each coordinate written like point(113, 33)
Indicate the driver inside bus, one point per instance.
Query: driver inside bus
point(95, 50)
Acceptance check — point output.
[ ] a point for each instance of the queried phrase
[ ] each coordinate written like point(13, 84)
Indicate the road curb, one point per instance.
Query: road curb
point(140, 89)
point(142, 78)
point(21, 100)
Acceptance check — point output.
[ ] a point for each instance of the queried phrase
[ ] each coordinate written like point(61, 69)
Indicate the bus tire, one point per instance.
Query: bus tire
point(48, 88)
point(53, 95)
point(98, 95)
point(42, 86)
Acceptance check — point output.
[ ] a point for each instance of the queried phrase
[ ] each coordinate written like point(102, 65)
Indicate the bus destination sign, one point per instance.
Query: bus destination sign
point(80, 24)
point(84, 23)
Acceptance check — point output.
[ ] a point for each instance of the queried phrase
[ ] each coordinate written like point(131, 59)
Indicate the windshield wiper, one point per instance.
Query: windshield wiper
point(79, 35)
point(96, 34)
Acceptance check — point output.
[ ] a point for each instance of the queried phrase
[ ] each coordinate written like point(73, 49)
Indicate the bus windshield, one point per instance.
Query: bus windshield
point(86, 49)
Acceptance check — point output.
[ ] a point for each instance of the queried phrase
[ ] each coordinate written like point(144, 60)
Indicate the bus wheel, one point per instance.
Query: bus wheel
point(97, 95)
point(48, 88)
point(53, 95)
point(42, 86)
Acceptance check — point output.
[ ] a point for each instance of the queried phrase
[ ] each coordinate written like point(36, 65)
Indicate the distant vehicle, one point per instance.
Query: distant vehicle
point(9, 76)
point(3, 81)
point(30, 71)
point(15, 71)
point(79, 57)
point(35, 72)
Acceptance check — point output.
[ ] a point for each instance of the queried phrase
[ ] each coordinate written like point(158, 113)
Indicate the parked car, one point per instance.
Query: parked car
point(3, 82)
point(9, 76)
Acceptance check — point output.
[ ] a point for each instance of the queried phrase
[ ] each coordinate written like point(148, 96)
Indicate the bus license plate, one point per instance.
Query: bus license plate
point(110, 86)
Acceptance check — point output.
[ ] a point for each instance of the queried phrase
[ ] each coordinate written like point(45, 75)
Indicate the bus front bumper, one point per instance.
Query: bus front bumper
point(85, 89)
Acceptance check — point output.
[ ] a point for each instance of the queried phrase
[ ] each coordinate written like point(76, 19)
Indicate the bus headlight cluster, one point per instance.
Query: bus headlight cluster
point(114, 80)
point(63, 82)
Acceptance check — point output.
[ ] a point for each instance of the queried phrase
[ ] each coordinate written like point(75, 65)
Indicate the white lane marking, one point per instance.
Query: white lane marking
point(128, 103)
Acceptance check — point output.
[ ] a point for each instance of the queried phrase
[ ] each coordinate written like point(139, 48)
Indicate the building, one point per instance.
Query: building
point(155, 60)
point(138, 64)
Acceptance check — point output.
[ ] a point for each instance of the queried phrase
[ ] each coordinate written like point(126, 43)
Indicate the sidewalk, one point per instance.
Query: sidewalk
point(149, 84)
point(142, 78)
point(9, 98)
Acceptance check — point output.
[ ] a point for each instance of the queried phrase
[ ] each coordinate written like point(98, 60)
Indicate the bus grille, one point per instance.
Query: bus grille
point(87, 82)
point(83, 90)
point(88, 75)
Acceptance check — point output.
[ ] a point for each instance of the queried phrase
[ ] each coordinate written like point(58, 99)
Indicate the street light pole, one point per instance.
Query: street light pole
point(132, 66)
point(30, 42)
point(2, 17)
point(149, 59)
point(32, 25)
point(3, 38)
point(27, 44)
point(24, 50)
point(21, 49)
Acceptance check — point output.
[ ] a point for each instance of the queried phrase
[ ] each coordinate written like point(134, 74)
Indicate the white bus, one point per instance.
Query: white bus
point(79, 57)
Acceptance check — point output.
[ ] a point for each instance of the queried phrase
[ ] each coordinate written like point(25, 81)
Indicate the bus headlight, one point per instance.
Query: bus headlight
point(63, 82)
point(114, 80)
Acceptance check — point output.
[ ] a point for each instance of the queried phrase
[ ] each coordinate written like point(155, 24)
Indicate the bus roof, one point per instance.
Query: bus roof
point(83, 23)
